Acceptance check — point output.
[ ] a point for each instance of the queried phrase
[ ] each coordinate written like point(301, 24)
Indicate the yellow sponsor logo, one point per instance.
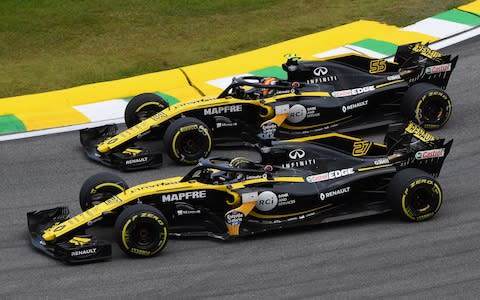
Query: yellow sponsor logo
point(419, 133)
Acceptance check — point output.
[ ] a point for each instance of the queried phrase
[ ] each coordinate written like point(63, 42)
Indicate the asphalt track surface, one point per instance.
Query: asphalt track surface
point(376, 257)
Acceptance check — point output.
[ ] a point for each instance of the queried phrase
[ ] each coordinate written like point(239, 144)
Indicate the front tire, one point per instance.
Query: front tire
point(141, 231)
point(99, 188)
point(427, 105)
point(187, 140)
point(414, 195)
point(142, 107)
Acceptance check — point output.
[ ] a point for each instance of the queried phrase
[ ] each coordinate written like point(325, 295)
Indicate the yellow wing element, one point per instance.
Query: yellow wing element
point(79, 241)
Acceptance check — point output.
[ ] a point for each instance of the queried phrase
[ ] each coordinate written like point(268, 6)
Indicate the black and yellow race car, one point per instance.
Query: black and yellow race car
point(297, 182)
point(342, 94)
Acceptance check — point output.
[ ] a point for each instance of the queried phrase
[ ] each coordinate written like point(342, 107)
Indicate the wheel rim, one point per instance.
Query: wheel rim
point(144, 235)
point(422, 200)
point(433, 111)
point(191, 144)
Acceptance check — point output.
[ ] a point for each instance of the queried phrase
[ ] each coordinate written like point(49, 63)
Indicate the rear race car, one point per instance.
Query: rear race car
point(296, 182)
point(343, 94)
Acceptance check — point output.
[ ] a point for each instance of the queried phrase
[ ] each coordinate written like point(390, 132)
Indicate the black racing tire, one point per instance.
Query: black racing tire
point(187, 140)
point(142, 107)
point(427, 105)
point(414, 195)
point(99, 188)
point(141, 231)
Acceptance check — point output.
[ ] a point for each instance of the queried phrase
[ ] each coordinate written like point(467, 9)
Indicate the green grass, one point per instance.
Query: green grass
point(54, 44)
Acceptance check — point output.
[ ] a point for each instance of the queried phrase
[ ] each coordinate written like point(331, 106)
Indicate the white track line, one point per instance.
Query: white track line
point(28, 134)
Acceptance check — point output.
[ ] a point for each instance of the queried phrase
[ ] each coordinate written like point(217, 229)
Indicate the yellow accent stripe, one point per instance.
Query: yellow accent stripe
point(379, 86)
point(375, 167)
point(328, 135)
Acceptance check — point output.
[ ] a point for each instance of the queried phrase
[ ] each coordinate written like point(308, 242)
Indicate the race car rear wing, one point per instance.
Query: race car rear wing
point(418, 62)
point(74, 249)
point(411, 146)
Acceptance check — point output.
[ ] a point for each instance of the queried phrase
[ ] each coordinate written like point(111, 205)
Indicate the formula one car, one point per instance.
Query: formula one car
point(297, 182)
point(342, 94)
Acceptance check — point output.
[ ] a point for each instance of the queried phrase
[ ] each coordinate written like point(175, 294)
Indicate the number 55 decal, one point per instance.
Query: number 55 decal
point(377, 66)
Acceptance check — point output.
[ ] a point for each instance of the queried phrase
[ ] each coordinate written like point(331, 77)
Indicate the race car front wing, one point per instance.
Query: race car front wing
point(74, 249)
point(128, 158)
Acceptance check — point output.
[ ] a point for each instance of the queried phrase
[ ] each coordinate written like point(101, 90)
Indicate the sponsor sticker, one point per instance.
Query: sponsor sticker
point(434, 153)
point(136, 160)
point(250, 197)
point(84, 252)
point(188, 212)
point(353, 92)
point(438, 69)
point(222, 110)
point(329, 175)
point(190, 195)
point(297, 113)
point(322, 79)
point(282, 109)
point(381, 161)
point(266, 201)
point(419, 133)
point(394, 77)
point(299, 163)
point(425, 51)
point(312, 112)
point(268, 130)
point(296, 154)
point(320, 71)
point(234, 218)
point(346, 108)
point(283, 199)
point(334, 193)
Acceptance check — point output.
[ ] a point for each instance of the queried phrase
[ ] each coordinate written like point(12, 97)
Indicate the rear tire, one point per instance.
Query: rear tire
point(142, 107)
point(187, 140)
point(427, 105)
point(141, 231)
point(414, 195)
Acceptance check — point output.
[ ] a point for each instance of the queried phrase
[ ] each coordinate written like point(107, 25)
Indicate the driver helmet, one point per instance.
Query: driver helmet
point(269, 81)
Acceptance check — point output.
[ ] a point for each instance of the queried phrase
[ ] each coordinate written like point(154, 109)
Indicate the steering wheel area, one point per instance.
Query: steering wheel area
point(256, 87)
point(224, 171)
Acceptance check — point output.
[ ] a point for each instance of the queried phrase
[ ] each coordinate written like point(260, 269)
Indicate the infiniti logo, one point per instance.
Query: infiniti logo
point(296, 154)
point(320, 71)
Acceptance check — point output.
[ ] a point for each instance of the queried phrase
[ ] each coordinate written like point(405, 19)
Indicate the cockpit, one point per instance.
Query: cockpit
point(257, 87)
point(220, 170)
